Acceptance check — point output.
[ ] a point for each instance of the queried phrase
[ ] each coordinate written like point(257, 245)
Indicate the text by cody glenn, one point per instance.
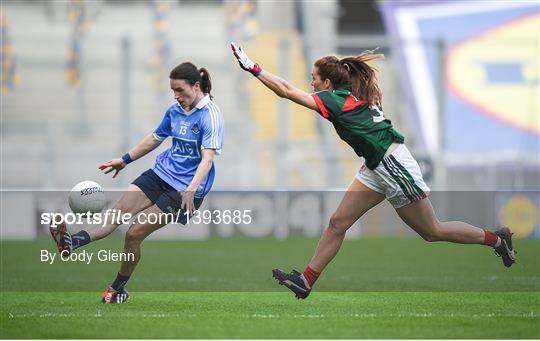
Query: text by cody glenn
point(117, 217)
point(86, 257)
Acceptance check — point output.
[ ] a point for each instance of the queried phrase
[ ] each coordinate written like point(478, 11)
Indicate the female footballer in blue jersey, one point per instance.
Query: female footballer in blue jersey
point(347, 95)
point(179, 179)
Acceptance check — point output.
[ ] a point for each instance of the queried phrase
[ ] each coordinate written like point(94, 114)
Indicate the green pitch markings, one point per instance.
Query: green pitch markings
point(222, 288)
point(244, 265)
point(272, 315)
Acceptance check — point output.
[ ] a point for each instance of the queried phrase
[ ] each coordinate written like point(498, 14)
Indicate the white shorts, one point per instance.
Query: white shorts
point(398, 177)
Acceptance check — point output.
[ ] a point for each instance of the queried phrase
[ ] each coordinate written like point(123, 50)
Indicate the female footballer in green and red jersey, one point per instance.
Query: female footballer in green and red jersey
point(347, 95)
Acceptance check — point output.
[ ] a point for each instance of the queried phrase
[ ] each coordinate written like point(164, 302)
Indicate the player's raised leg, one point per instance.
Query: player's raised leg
point(136, 233)
point(421, 217)
point(357, 200)
point(132, 201)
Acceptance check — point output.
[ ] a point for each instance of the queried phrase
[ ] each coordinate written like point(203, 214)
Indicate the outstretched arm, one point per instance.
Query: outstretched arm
point(145, 146)
point(278, 85)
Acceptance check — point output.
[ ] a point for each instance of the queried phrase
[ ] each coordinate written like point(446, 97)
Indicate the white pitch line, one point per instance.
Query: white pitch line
point(531, 314)
point(362, 315)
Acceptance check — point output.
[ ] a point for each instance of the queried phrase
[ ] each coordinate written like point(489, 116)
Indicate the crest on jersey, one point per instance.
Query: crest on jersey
point(195, 129)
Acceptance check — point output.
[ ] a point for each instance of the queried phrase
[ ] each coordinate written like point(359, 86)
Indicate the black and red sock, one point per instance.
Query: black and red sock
point(311, 275)
point(491, 239)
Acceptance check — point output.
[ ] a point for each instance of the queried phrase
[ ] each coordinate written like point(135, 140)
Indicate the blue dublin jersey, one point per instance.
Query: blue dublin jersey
point(201, 128)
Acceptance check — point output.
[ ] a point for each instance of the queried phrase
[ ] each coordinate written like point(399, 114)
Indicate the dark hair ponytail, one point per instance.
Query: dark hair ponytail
point(363, 78)
point(189, 72)
point(353, 73)
point(206, 83)
point(329, 68)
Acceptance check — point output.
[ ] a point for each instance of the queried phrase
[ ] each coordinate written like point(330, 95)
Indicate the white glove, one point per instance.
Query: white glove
point(244, 61)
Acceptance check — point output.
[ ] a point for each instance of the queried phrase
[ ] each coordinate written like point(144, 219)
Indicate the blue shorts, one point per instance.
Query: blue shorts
point(163, 195)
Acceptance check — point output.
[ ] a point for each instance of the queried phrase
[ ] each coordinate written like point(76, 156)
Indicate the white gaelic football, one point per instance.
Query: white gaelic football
point(87, 196)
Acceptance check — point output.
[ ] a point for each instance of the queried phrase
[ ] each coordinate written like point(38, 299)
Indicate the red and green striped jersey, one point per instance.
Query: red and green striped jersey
point(364, 128)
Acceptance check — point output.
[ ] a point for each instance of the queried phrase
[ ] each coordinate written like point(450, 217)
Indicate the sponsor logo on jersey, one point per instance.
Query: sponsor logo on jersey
point(185, 148)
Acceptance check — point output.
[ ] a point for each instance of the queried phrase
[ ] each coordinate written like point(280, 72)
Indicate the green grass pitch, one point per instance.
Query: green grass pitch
point(222, 288)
